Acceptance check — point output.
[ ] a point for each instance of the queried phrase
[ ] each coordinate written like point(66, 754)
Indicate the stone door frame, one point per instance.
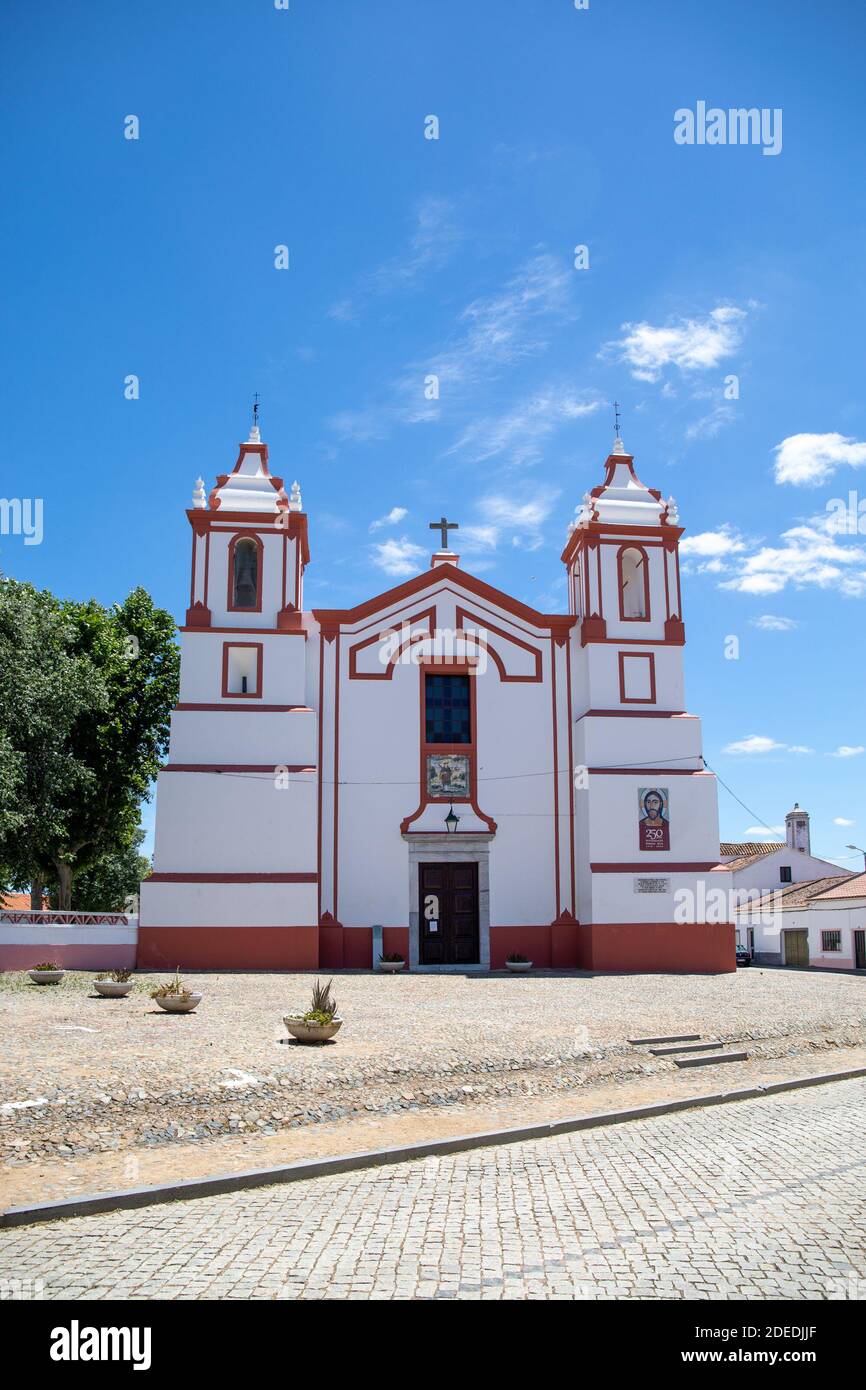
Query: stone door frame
point(450, 849)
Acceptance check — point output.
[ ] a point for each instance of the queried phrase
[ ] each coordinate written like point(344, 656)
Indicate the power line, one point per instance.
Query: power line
point(746, 808)
point(508, 777)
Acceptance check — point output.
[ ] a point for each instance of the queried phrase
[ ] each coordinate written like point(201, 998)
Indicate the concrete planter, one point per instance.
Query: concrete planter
point(112, 989)
point(176, 1004)
point(313, 1032)
point(391, 967)
point(46, 977)
point(519, 967)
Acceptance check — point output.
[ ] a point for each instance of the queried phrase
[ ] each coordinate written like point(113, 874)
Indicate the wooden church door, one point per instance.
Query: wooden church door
point(448, 916)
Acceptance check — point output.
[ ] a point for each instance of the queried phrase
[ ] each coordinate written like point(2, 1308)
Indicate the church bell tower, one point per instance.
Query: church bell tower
point(646, 807)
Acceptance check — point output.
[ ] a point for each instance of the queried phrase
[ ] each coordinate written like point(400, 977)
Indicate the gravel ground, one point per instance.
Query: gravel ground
point(83, 1075)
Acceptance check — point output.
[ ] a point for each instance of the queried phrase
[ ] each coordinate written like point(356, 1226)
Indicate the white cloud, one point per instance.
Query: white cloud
point(713, 544)
point(755, 743)
point(493, 332)
point(519, 432)
point(482, 537)
point(768, 622)
point(709, 425)
point(846, 750)
point(523, 517)
point(504, 518)
point(765, 832)
point(809, 459)
point(398, 557)
point(510, 324)
point(840, 820)
point(391, 518)
point(689, 344)
point(809, 556)
point(711, 552)
point(759, 743)
point(431, 246)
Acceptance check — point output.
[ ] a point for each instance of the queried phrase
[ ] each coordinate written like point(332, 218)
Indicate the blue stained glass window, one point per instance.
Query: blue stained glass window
point(448, 709)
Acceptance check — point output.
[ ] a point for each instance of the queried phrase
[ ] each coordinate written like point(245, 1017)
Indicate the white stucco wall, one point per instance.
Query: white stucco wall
point(231, 736)
point(228, 904)
point(236, 822)
point(283, 668)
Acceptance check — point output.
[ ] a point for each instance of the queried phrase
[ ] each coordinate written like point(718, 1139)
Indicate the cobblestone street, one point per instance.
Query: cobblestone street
point(754, 1200)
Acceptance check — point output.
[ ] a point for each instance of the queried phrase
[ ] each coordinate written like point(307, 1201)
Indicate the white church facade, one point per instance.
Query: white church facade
point(439, 771)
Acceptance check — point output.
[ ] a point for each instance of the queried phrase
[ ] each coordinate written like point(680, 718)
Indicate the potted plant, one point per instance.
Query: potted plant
point(174, 996)
point(321, 1021)
point(47, 973)
point(113, 984)
point(518, 964)
point(391, 962)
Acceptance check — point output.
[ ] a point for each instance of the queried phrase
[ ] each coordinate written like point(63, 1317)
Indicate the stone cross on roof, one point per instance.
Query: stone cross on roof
point(444, 526)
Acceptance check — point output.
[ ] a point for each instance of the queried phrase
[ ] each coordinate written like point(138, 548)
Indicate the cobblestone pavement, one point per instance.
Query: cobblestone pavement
point(755, 1200)
point(81, 1075)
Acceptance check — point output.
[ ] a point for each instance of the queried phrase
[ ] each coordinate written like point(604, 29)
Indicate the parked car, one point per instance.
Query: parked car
point(744, 955)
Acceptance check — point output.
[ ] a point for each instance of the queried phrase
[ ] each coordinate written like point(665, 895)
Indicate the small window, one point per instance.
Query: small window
point(242, 669)
point(578, 598)
point(785, 873)
point(831, 941)
point(447, 709)
point(245, 574)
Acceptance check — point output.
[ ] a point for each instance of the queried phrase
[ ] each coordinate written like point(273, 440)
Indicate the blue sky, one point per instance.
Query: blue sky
point(410, 257)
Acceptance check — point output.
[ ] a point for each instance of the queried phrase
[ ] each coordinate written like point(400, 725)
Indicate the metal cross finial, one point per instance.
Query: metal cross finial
point(256, 410)
point(444, 526)
point(616, 417)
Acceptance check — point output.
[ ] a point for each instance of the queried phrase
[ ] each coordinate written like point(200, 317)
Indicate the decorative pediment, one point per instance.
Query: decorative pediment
point(459, 584)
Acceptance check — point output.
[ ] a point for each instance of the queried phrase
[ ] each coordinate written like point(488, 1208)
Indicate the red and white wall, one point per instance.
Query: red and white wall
point(292, 815)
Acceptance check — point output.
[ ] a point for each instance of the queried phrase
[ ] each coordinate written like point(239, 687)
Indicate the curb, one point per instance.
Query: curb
point(305, 1169)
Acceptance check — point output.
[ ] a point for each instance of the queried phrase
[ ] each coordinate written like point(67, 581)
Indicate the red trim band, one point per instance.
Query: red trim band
point(237, 767)
point(232, 878)
point(654, 868)
point(250, 709)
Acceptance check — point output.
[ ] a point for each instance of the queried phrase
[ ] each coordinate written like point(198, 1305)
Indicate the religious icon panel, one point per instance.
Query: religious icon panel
point(654, 831)
point(447, 774)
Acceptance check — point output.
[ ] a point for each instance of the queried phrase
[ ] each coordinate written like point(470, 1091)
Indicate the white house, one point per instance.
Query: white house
point(821, 923)
point(440, 770)
point(758, 870)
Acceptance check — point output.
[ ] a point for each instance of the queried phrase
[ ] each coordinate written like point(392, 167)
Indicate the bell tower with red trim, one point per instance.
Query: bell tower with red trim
point(235, 870)
point(640, 897)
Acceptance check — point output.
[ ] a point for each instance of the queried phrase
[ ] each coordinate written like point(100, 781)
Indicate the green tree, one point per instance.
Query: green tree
point(85, 698)
point(109, 882)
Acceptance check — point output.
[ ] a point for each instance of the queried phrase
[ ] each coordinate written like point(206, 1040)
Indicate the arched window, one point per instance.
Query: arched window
point(244, 573)
point(633, 584)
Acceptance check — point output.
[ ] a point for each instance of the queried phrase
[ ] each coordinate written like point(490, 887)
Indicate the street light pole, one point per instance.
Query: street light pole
point(860, 850)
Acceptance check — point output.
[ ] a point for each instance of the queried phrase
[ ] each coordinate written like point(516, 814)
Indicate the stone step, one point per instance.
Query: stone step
point(674, 1037)
point(711, 1061)
point(685, 1047)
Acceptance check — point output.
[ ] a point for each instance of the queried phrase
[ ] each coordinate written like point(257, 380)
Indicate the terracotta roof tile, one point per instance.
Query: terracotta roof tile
point(744, 860)
point(791, 895)
point(14, 902)
point(853, 887)
point(751, 849)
